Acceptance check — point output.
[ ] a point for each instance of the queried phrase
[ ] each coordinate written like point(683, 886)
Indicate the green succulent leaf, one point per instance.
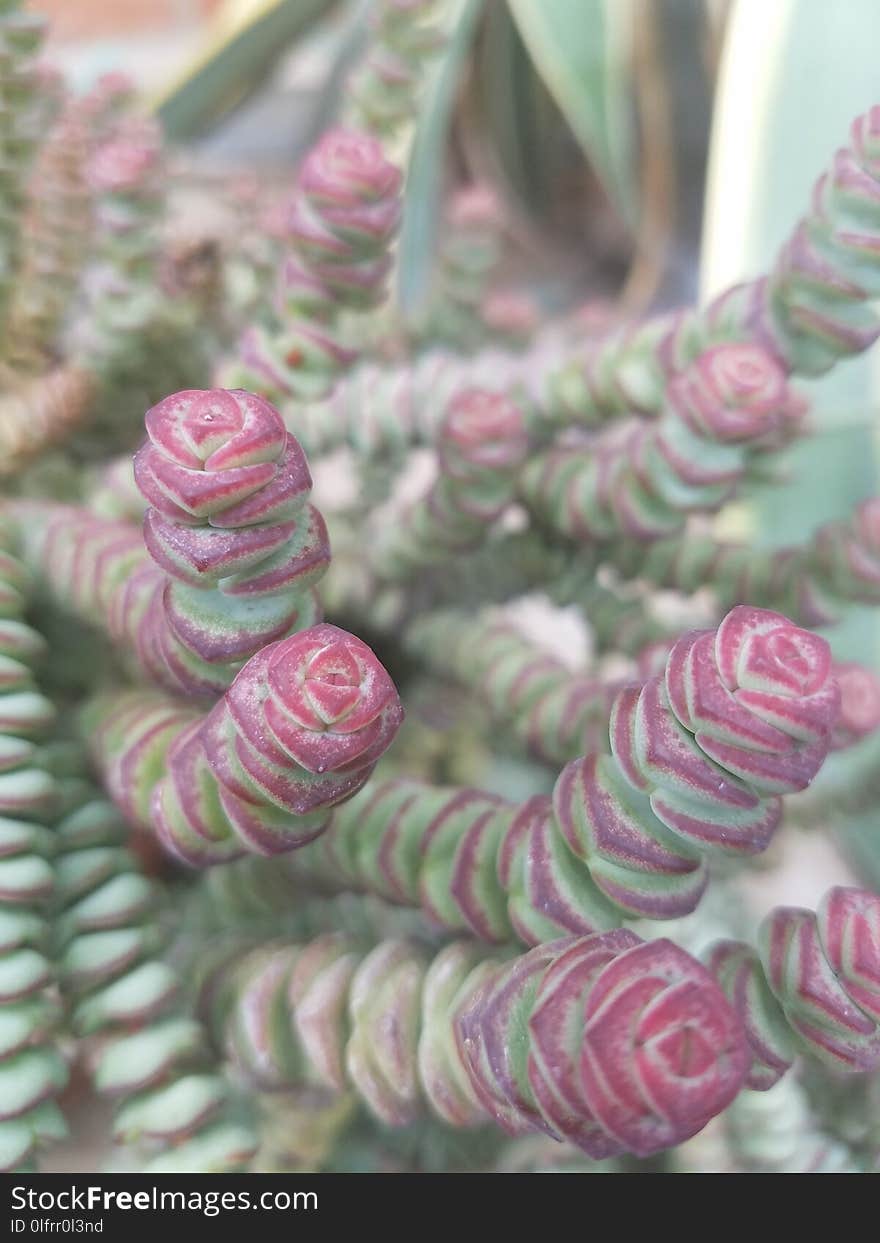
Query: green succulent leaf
point(427, 163)
point(581, 50)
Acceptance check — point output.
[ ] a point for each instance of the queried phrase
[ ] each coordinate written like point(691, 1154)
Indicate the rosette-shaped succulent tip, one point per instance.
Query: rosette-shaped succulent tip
point(824, 970)
point(482, 433)
point(210, 450)
point(347, 169)
point(300, 730)
point(813, 986)
point(859, 703)
point(632, 1046)
point(701, 754)
point(758, 695)
point(735, 391)
point(331, 706)
point(228, 488)
point(345, 213)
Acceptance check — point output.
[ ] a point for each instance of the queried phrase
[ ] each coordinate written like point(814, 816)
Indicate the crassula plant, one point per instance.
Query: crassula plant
point(390, 734)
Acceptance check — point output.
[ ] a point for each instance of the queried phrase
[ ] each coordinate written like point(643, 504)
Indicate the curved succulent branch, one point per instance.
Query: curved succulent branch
point(384, 89)
point(813, 986)
point(838, 565)
point(124, 175)
point(234, 547)
point(609, 1042)
point(125, 997)
point(481, 445)
point(21, 35)
point(56, 238)
point(40, 410)
point(340, 225)
point(380, 410)
point(462, 312)
point(701, 754)
point(299, 730)
point(731, 401)
point(552, 711)
point(810, 311)
point(32, 1073)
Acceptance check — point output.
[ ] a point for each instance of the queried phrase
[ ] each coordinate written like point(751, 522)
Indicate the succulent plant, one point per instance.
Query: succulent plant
point(258, 502)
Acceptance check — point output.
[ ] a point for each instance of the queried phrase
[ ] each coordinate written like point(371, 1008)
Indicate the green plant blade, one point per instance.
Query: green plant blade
point(234, 65)
point(581, 49)
point(422, 202)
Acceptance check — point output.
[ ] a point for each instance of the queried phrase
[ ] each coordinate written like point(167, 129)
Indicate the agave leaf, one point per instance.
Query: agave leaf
point(581, 48)
point(427, 162)
point(234, 63)
point(512, 103)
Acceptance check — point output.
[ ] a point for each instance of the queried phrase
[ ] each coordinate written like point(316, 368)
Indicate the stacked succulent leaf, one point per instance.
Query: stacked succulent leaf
point(32, 1072)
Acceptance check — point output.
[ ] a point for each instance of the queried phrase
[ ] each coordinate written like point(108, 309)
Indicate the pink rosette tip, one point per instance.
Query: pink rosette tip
point(331, 704)
point(859, 703)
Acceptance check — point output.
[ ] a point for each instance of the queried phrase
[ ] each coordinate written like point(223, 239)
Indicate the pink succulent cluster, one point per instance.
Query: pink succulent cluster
point(813, 987)
point(613, 1044)
point(481, 430)
point(481, 445)
point(759, 697)
point(824, 969)
point(734, 393)
point(701, 753)
point(343, 217)
point(229, 523)
point(340, 225)
point(859, 703)
point(845, 556)
point(300, 729)
point(730, 402)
